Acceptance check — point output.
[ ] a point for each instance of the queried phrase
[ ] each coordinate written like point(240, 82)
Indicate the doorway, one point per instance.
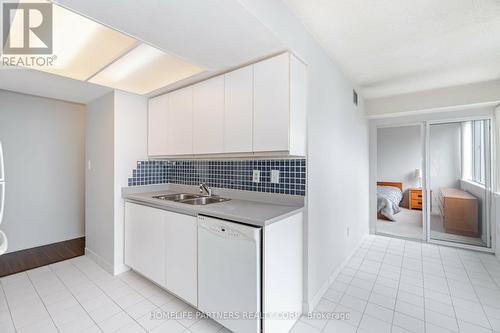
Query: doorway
point(438, 175)
point(399, 181)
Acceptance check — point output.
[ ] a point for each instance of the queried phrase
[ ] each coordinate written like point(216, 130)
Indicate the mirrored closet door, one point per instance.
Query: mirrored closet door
point(459, 182)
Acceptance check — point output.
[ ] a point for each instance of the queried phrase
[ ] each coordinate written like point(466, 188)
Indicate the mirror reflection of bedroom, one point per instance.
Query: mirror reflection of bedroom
point(399, 181)
point(459, 166)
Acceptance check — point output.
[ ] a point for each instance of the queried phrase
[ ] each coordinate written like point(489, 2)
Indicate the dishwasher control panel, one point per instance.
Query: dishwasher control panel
point(223, 229)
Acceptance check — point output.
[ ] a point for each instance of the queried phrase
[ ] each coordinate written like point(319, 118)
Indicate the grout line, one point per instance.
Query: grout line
point(423, 285)
point(41, 299)
point(111, 299)
point(475, 293)
point(72, 294)
point(399, 282)
point(8, 307)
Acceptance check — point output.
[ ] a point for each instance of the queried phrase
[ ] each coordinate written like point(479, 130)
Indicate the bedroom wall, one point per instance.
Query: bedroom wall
point(399, 153)
point(445, 160)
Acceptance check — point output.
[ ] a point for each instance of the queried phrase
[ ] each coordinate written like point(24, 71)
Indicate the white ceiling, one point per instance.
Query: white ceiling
point(390, 47)
point(34, 82)
point(217, 35)
point(213, 34)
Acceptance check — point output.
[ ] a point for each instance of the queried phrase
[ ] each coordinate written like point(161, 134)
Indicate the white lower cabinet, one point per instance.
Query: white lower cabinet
point(162, 246)
point(145, 241)
point(181, 236)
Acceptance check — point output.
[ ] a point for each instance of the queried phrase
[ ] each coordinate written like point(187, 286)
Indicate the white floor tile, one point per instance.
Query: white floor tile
point(339, 326)
point(205, 326)
point(115, 322)
point(389, 285)
point(409, 323)
point(379, 312)
point(301, 327)
point(374, 325)
point(45, 326)
point(105, 311)
point(441, 320)
point(471, 328)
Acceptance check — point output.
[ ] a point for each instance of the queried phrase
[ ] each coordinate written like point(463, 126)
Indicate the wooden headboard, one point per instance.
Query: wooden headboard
point(394, 184)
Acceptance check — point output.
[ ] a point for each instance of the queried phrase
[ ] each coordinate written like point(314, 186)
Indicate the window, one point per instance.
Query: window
point(474, 151)
point(478, 156)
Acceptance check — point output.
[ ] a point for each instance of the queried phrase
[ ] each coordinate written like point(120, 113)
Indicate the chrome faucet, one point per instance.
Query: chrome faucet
point(204, 187)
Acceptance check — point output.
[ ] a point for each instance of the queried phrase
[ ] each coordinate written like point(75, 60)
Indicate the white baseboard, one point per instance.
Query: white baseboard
point(100, 261)
point(121, 269)
point(312, 303)
point(113, 270)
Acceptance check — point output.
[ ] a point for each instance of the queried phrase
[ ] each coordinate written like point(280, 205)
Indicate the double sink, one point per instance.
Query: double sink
point(191, 199)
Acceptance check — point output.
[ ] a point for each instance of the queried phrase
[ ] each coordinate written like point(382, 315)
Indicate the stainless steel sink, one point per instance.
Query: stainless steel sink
point(191, 199)
point(205, 200)
point(177, 196)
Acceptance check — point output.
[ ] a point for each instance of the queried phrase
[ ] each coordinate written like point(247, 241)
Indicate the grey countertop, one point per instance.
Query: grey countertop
point(250, 212)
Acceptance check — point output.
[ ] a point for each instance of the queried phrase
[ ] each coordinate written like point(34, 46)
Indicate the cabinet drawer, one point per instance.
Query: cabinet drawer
point(416, 203)
point(416, 196)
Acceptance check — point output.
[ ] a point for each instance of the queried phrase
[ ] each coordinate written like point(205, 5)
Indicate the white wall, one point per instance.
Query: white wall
point(130, 137)
point(337, 190)
point(99, 191)
point(116, 139)
point(445, 158)
point(399, 151)
point(43, 142)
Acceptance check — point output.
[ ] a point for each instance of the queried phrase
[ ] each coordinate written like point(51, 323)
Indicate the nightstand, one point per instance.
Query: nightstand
point(415, 198)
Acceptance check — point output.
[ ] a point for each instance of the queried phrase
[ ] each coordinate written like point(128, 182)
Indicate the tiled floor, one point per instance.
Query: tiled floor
point(76, 295)
point(389, 285)
point(398, 286)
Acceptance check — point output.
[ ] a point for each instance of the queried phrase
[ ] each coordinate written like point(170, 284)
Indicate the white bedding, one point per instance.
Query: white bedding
point(388, 199)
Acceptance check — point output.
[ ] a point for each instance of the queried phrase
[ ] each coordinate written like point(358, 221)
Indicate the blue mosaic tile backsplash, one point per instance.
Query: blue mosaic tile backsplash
point(231, 174)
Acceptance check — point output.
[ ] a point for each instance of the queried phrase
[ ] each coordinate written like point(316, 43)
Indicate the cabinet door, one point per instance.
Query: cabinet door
point(180, 121)
point(272, 104)
point(238, 112)
point(208, 113)
point(181, 259)
point(158, 144)
point(145, 241)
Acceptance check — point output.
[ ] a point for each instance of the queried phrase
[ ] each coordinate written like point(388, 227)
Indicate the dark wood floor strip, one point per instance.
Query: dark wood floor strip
point(24, 260)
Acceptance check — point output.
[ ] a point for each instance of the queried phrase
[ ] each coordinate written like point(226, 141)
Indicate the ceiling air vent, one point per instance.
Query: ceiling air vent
point(355, 97)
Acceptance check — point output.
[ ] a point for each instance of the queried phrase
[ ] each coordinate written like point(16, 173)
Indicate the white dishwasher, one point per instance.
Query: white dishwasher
point(229, 273)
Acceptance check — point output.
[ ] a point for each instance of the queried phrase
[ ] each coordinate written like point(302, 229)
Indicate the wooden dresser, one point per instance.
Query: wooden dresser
point(459, 210)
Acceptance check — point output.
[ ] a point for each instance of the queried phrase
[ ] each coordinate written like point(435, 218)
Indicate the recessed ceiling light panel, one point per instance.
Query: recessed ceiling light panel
point(145, 69)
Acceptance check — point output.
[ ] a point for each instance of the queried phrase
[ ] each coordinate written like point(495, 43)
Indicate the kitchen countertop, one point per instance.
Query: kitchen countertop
point(254, 213)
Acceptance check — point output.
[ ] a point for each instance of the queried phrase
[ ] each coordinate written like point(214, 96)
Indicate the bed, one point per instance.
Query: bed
point(389, 196)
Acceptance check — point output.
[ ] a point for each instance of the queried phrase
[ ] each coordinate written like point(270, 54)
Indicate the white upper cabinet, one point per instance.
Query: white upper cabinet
point(279, 105)
point(255, 110)
point(208, 116)
point(158, 143)
point(238, 112)
point(180, 121)
point(271, 104)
